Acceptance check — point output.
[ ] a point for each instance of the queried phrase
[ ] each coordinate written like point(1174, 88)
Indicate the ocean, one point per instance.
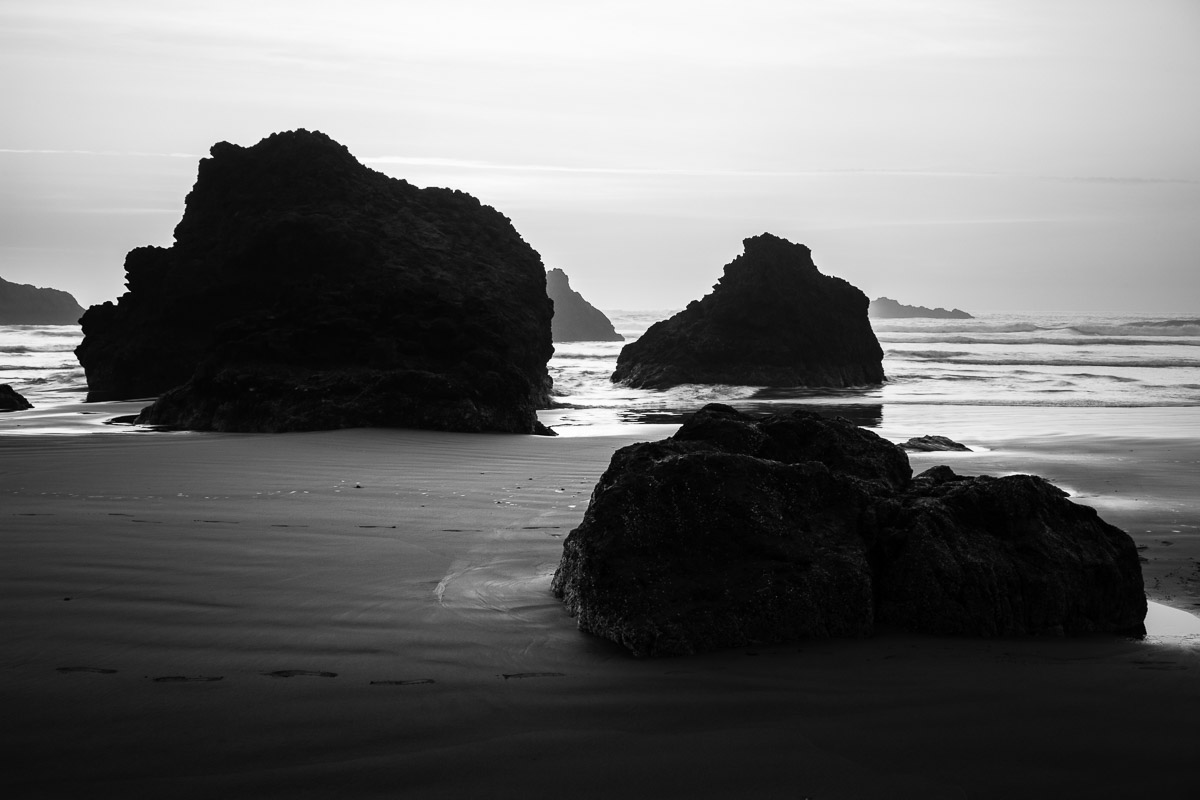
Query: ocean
point(997, 373)
point(994, 375)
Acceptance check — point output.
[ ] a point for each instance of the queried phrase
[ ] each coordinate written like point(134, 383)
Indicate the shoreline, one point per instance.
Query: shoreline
point(366, 613)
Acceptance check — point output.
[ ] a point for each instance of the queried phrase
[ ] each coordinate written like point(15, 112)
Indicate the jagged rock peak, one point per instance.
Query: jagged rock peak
point(575, 319)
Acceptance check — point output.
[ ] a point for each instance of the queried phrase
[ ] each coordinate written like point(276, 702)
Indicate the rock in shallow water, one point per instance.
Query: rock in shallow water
point(772, 320)
point(306, 291)
point(932, 443)
point(738, 531)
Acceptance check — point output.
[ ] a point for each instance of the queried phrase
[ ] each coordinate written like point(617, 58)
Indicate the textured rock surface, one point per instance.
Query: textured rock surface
point(772, 320)
point(10, 400)
point(575, 319)
point(933, 443)
point(23, 304)
point(305, 291)
point(738, 531)
point(887, 308)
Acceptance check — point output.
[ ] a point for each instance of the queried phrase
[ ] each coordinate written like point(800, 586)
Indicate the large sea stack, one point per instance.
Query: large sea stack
point(738, 531)
point(772, 320)
point(575, 319)
point(305, 291)
point(23, 304)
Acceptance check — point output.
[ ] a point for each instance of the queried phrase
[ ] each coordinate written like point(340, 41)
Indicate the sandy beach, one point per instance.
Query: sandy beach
point(366, 613)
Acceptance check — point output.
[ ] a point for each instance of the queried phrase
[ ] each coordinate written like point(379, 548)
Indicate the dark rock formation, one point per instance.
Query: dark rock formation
point(772, 320)
point(931, 443)
point(887, 308)
point(738, 531)
point(11, 401)
point(22, 304)
point(305, 291)
point(575, 319)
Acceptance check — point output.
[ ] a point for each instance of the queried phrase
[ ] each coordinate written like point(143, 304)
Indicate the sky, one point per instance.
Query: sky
point(1021, 155)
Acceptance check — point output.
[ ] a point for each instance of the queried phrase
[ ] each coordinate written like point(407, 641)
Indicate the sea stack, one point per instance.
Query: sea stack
point(23, 304)
point(305, 291)
point(739, 531)
point(772, 320)
point(575, 319)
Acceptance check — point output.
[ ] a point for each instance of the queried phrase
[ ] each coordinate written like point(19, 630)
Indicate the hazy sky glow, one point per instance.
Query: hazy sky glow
point(1015, 155)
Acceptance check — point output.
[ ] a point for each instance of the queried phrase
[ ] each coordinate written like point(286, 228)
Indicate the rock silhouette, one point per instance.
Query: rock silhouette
point(575, 319)
point(23, 304)
point(305, 291)
point(772, 320)
point(737, 531)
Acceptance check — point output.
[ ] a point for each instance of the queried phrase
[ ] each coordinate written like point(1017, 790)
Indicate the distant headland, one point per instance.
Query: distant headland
point(23, 304)
point(887, 308)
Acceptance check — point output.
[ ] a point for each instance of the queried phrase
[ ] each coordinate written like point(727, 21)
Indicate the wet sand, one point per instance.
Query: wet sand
point(367, 614)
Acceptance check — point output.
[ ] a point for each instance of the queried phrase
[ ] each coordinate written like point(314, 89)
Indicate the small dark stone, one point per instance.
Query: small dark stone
point(10, 400)
point(931, 444)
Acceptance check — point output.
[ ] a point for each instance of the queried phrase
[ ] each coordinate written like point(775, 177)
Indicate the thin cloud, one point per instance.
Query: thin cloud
point(131, 153)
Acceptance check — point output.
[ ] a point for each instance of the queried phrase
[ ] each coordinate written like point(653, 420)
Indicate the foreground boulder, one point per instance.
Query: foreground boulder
point(23, 304)
point(305, 291)
point(575, 319)
point(10, 400)
point(737, 531)
point(772, 320)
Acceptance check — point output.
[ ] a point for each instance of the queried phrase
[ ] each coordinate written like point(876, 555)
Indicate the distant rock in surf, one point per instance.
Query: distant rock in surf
point(11, 401)
point(772, 320)
point(738, 531)
point(575, 319)
point(932, 443)
point(887, 308)
point(305, 291)
point(23, 304)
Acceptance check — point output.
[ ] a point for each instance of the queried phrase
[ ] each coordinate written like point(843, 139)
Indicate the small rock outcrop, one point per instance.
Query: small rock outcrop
point(737, 531)
point(887, 308)
point(933, 443)
point(575, 319)
point(305, 291)
point(10, 400)
point(772, 320)
point(23, 304)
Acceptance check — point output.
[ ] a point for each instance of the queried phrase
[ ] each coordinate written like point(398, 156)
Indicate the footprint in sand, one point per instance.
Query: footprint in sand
point(299, 673)
point(188, 678)
point(100, 670)
point(1159, 665)
point(515, 675)
point(412, 682)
